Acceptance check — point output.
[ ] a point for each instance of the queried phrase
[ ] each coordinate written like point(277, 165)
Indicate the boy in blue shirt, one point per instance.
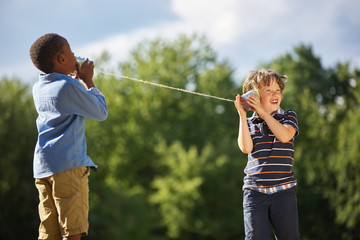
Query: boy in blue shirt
point(61, 164)
point(268, 139)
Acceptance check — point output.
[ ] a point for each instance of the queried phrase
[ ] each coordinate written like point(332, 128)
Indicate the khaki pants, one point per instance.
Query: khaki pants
point(64, 204)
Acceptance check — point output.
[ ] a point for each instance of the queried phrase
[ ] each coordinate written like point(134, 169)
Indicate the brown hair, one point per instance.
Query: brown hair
point(45, 49)
point(262, 77)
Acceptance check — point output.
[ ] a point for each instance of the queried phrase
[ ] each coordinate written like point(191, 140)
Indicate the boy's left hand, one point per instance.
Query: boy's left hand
point(86, 72)
point(255, 104)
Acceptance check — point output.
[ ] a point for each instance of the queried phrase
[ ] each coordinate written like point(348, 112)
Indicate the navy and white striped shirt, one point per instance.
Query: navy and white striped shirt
point(270, 162)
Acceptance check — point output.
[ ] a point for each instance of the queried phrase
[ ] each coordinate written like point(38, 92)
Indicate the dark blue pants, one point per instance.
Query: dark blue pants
point(278, 211)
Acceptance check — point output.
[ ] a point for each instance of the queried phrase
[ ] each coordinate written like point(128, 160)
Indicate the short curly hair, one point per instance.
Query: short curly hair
point(263, 77)
point(45, 49)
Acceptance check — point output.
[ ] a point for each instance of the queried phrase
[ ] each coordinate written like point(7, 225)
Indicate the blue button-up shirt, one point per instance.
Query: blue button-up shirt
point(63, 103)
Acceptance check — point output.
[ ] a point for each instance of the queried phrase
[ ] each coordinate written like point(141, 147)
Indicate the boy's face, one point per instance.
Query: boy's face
point(270, 97)
point(70, 60)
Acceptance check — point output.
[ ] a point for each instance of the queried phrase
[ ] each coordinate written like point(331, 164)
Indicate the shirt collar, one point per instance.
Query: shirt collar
point(278, 114)
point(49, 76)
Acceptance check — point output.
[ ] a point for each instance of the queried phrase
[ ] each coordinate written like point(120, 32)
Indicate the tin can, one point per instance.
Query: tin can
point(244, 97)
point(79, 60)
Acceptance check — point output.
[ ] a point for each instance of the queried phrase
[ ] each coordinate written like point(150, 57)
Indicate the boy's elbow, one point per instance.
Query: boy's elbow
point(287, 135)
point(102, 119)
point(104, 116)
point(245, 150)
point(284, 139)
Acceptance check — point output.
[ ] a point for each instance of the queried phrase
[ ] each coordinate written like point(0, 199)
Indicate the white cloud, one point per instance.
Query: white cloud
point(224, 22)
point(249, 31)
point(217, 19)
point(119, 46)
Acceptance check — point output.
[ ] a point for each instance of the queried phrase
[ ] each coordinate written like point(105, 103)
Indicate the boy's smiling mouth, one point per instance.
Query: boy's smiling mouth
point(274, 101)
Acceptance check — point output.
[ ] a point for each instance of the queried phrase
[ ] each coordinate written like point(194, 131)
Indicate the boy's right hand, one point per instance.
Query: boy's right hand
point(86, 72)
point(239, 106)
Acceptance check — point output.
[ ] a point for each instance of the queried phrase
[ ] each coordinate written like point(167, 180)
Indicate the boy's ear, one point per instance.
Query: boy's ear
point(60, 59)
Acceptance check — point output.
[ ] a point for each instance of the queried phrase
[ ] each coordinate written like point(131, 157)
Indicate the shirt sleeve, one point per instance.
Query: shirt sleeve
point(87, 103)
point(290, 118)
point(96, 92)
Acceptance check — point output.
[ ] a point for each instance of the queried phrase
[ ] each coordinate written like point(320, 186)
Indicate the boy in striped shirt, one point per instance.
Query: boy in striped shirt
point(268, 139)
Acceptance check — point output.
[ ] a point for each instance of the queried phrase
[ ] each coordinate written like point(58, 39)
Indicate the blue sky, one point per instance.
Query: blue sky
point(246, 32)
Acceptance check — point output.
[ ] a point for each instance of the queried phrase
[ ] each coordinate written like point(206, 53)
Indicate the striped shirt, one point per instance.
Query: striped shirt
point(269, 166)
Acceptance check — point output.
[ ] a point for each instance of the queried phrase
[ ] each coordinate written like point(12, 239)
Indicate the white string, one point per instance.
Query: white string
point(165, 86)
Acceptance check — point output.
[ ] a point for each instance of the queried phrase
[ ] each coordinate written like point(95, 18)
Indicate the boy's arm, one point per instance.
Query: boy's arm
point(244, 139)
point(87, 103)
point(92, 104)
point(282, 132)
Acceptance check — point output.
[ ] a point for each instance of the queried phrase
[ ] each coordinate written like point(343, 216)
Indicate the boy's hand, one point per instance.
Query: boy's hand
point(239, 106)
point(256, 105)
point(244, 140)
point(86, 72)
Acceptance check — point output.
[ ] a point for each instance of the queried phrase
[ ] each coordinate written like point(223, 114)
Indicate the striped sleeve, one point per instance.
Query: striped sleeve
point(290, 118)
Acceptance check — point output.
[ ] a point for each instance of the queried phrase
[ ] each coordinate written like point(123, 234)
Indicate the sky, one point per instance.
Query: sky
point(244, 32)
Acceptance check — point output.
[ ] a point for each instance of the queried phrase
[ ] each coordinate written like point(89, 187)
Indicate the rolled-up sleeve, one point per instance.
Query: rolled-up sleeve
point(88, 103)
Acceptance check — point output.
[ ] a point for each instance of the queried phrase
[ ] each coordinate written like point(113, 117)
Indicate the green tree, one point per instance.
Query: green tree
point(344, 167)
point(142, 117)
point(18, 195)
point(198, 192)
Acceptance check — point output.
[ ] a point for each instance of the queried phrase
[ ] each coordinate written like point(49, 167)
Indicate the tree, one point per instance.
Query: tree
point(343, 162)
point(198, 192)
point(18, 195)
point(142, 118)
